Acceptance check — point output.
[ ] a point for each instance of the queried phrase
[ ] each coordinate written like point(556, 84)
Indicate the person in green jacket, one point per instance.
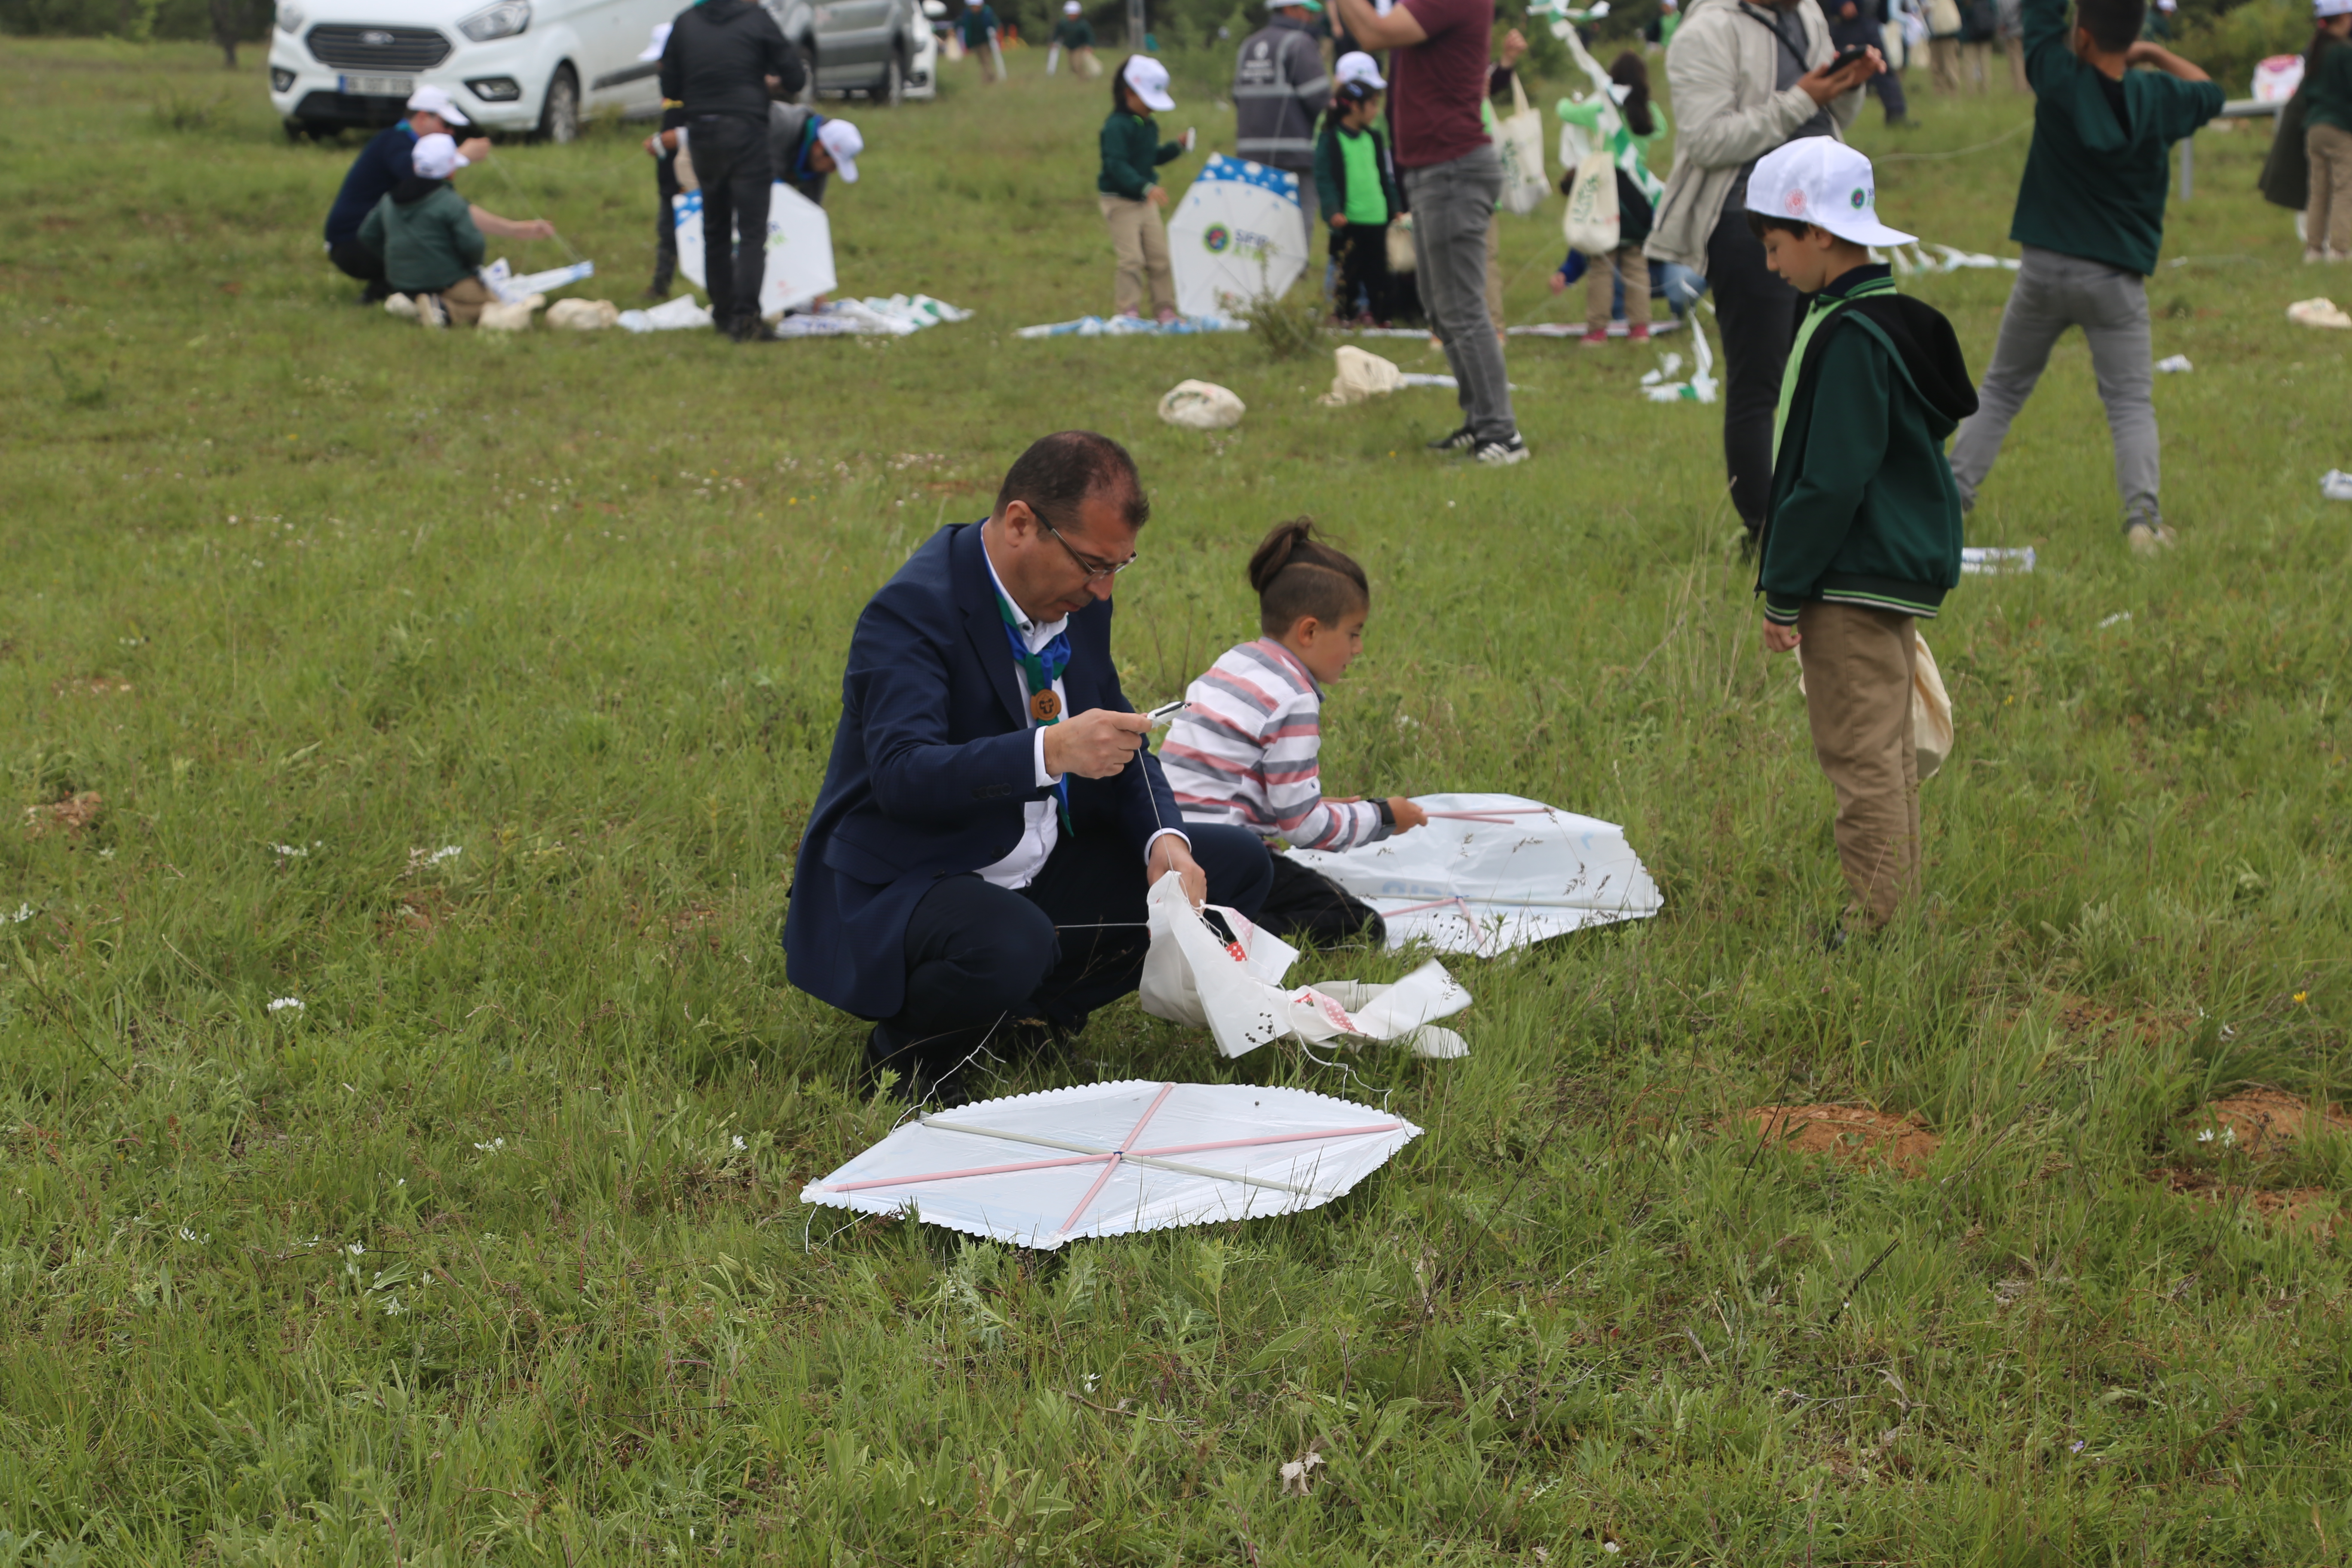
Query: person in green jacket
point(1356, 186)
point(2090, 216)
point(2327, 133)
point(1129, 190)
point(1075, 34)
point(1862, 539)
point(425, 233)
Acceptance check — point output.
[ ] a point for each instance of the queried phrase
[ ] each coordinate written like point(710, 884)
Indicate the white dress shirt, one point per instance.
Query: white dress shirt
point(1041, 824)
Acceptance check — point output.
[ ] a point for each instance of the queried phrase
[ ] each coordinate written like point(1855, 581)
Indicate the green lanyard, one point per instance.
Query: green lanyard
point(1044, 707)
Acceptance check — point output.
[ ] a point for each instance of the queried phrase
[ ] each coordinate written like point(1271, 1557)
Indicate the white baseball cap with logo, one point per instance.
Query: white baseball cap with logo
point(1070, 7)
point(437, 156)
point(1822, 180)
point(841, 139)
point(2323, 9)
point(1358, 66)
point(435, 100)
point(1149, 78)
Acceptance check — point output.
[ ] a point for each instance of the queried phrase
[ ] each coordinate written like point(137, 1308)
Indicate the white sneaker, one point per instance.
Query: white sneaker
point(2336, 485)
point(400, 305)
point(431, 311)
point(2148, 539)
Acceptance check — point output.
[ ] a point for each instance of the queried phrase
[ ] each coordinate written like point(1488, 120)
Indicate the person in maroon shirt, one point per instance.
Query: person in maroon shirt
point(1452, 177)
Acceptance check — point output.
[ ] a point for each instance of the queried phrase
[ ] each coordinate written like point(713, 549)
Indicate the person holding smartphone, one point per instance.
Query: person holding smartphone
point(1747, 79)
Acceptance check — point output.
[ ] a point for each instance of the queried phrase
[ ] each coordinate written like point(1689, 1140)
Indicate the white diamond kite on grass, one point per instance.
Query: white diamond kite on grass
point(1108, 1159)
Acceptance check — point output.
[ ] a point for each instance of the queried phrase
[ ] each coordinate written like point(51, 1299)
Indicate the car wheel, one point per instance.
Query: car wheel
point(559, 118)
point(892, 89)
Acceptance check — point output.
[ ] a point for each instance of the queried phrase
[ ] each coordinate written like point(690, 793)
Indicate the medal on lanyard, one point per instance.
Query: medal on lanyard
point(1044, 705)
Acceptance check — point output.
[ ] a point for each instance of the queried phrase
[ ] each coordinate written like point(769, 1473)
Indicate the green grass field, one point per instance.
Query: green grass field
point(473, 690)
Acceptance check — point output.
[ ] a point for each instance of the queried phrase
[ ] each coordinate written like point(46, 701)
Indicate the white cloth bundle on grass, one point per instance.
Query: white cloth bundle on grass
point(1493, 872)
point(1234, 990)
point(583, 315)
point(1202, 405)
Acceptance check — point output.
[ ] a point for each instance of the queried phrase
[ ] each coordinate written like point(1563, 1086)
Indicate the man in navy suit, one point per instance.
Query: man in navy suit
point(977, 861)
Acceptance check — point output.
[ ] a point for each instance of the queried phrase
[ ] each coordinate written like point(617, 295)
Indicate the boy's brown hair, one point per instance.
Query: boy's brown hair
point(1296, 575)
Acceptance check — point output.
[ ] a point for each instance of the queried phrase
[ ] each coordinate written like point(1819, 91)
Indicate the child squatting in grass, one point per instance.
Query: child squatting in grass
point(1244, 750)
point(1131, 194)
point(1862, 535)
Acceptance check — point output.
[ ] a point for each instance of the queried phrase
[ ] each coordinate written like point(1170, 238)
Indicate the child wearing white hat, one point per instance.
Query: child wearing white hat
point(1072, 33)
point(426, 235)
point(2327, 133)
point(1130, 189)
point(1862, 539)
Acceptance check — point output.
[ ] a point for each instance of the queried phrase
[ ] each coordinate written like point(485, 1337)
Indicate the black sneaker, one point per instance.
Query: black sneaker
point(1462, 440)
point(1501, 454)
point(751, 330)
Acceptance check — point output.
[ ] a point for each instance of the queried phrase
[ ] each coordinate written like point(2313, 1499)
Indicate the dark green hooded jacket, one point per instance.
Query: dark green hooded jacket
point(1865, 511)
point(425, 232)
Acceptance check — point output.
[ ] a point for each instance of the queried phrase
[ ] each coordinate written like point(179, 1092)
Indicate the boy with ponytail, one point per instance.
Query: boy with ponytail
point(1243, 751)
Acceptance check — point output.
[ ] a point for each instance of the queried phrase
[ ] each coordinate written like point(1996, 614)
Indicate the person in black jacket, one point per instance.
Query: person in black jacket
point(722, 60)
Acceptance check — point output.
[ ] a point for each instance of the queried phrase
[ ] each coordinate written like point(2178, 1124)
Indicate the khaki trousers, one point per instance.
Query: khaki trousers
point(1600, 288)
point(2327, 219)
point(1944, 60)
point(1858, 667)
point(465, 299)
point(2015, 49)
point(1141, 246)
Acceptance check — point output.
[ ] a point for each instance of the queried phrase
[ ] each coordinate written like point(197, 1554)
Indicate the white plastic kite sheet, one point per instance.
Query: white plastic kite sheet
point(1234, 990)
point(1110, 1158)
point(508, 287)
point(1659, 386)
point(1132, 327)
point(800, 249)
point(676, 315)
point(896, 317)
point(1238, 234)
point(1493, 872)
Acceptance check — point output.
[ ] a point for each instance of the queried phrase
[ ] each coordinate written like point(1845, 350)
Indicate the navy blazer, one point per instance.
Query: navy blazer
point(931, 765)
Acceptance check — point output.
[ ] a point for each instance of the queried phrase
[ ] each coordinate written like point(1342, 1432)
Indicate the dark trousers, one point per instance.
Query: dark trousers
point(1888, 86)
point(1757, 314)
point(731, 159)
point(1306, 906)
point(1070, 942)
point(1361, 251)
point(353, 260)
point(666, 228)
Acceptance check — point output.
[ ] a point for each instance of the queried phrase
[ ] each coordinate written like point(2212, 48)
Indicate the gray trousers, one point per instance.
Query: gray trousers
point(2055, 292)
point(1453, 203)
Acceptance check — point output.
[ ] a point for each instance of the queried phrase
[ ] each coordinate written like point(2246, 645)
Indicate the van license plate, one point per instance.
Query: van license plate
point(377, 86)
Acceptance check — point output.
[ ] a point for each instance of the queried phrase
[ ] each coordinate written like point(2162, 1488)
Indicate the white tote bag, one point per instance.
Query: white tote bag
point(1931, 714)
point(1519, 138)
point(1591, 220)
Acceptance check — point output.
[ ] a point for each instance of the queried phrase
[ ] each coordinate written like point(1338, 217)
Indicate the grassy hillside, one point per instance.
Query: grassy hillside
point(472, 691)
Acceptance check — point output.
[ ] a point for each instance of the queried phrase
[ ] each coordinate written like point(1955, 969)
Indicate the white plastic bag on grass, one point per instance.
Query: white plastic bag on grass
point(1358, 375)
point(1202, 405)
point(1235, 989)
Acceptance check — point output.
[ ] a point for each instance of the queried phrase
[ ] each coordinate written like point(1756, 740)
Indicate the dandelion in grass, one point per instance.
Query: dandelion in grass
point(281, 1004)
point(2301, 997)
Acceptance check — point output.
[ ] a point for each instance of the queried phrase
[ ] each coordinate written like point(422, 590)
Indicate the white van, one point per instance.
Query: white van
point(533, 66)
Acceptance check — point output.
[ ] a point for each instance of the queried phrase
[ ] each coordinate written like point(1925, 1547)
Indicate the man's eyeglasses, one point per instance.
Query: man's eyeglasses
point(1095, 571)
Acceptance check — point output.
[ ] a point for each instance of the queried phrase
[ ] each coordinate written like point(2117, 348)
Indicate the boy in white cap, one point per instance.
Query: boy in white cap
point(384, 162)
point(2327, 132)
point(1072, 33)
point(427, 237)
point(1862, 534)
point(2090, 221)
point(1130, 189)
point(807, 147)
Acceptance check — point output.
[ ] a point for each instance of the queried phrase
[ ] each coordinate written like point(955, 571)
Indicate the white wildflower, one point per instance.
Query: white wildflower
point(2206, 1136)
point(738, 1142)
point(392, 1307)
point(190, 1237)
point(24, 912)
point(289, 851)
point(492, 1147)
point(279, 1005)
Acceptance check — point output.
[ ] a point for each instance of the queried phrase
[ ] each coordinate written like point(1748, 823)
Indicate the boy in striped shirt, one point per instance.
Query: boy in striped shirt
point(1244, 750)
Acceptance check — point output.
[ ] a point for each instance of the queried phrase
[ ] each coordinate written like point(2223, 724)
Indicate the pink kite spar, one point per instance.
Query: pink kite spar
point(1038, 1170)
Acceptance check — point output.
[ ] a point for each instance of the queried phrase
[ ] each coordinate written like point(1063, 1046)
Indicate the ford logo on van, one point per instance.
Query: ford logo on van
point(376, 39)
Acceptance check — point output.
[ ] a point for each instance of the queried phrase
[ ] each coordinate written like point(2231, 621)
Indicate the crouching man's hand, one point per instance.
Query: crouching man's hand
point(1170, 853)
point(1095, 745)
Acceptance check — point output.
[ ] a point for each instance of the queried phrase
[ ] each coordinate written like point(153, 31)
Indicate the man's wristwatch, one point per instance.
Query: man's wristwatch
point(1388, 812)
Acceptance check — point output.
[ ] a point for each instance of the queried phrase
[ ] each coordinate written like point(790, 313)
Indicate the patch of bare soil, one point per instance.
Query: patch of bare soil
point(2316, 1211)
point(72, 815)
point(2261, 1121)
point(1853, 1133)
point(2080, 1017)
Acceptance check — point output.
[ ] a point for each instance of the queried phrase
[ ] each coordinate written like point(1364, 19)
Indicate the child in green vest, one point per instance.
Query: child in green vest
point(1863, 536)
point(1131, 193)
point(1357, 184)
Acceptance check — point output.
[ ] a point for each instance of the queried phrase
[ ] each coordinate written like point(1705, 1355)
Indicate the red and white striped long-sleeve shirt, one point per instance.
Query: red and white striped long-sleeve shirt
point(1244, 753)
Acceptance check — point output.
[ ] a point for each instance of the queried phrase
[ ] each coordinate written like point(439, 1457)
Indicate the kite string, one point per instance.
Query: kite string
point(2014, 131)
point(516, 187)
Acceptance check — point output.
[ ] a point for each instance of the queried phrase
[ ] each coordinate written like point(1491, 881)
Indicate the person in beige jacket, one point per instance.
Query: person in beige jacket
point(1746, 78)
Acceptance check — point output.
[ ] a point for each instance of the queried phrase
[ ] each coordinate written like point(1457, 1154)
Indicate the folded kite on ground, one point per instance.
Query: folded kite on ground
point(1493, 872)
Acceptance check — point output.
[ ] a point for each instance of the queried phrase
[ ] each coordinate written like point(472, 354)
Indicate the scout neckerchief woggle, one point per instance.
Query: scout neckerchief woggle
point(1042, 669)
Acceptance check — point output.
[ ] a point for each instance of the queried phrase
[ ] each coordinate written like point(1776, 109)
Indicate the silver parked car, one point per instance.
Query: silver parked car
point(880, 48)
